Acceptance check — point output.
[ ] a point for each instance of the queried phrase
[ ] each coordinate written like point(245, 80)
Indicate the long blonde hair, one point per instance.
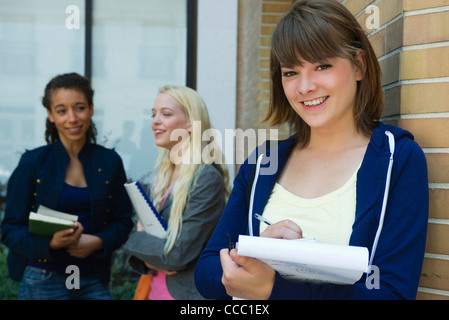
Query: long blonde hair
point(195, 110)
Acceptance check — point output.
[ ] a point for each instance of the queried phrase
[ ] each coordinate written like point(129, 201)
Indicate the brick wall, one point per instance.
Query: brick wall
point(257, 19)
point(248, 64)
point(425, 73)
point(412, 44)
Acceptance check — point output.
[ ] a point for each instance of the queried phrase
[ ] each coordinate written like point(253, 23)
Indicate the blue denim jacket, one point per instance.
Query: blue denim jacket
point(39, 179)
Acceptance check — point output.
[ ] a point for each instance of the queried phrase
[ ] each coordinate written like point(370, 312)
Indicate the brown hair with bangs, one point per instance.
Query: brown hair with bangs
point(316, 30)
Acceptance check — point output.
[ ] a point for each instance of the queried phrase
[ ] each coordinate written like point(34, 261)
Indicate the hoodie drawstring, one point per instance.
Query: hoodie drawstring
point(251, 200)
point(385, 200)
point(391, 143)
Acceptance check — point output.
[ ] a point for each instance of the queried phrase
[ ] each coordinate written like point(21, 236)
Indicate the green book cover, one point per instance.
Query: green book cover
point(47, 221)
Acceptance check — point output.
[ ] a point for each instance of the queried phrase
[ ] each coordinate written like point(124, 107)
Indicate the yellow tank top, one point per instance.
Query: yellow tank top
point(328, 218)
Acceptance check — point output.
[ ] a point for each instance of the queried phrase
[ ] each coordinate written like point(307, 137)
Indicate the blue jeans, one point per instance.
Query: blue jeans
point(41, 284)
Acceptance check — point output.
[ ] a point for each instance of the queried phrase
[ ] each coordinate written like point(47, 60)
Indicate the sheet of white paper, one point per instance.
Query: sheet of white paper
point(307, 261)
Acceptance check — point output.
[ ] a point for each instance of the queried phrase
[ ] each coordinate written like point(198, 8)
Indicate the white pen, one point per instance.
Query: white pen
point(262, 219)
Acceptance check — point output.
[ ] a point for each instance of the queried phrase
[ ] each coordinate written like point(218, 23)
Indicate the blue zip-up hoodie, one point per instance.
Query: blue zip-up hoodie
point(401, 227)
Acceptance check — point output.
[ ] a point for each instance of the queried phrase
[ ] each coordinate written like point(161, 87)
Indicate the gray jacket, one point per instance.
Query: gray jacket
point(204, 206)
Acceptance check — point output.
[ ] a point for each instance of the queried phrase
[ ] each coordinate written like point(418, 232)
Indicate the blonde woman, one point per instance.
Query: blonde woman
point(189, 194)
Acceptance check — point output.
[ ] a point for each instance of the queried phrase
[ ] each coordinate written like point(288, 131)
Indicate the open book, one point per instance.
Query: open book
point(307, 261)
point(48, 221)
point(150, 219)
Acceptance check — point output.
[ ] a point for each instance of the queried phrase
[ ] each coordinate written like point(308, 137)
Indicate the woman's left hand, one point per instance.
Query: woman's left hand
point(245, 277)
point(86, 245)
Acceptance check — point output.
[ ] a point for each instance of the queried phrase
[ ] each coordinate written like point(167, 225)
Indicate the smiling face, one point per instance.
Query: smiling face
point(71, 114)
point(322, 94)
point(168, 115)
point(316, 31)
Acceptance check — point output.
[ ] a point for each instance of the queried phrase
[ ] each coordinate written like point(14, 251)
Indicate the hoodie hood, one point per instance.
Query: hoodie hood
point(379, 142)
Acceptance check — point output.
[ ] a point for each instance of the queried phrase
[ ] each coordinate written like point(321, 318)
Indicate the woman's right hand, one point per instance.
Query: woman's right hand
point(64, 238)
point(285, 229)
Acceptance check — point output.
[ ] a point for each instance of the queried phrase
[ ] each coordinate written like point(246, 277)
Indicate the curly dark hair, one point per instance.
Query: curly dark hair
point(67, 81)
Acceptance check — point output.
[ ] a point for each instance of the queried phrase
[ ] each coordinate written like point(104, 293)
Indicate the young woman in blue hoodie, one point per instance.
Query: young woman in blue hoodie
point(343, 177)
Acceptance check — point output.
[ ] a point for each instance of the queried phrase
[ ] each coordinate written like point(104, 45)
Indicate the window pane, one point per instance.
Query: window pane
point(138, 46)
point(35, 45)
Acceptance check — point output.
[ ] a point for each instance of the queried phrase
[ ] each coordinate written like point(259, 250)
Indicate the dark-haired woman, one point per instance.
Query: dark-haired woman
point(71, 174)
point(343, 177)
